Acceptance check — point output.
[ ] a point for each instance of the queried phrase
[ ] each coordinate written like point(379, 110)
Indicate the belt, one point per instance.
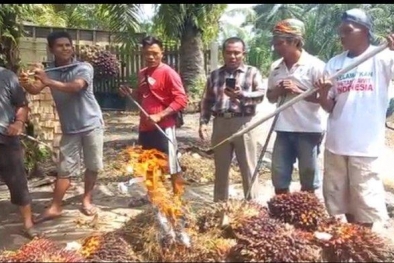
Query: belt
point(228, 115)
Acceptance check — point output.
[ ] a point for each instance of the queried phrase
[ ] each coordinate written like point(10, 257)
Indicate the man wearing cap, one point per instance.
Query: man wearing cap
point(300, 127)
point(356, 102)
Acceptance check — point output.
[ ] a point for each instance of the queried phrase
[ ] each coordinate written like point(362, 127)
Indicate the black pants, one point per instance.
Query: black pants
point(13, 173)
point(153, 140)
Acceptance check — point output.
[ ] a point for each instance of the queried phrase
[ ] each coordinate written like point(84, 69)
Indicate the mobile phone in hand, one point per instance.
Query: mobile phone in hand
point(230, 83)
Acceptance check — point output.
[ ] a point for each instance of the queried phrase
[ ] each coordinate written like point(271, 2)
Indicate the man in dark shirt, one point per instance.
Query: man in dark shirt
point(13, 115)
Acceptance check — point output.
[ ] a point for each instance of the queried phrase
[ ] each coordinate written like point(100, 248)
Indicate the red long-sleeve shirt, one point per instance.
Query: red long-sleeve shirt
point(165, 89)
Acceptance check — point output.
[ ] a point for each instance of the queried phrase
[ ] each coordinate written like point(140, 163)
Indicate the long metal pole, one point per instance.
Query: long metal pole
point(300, 97)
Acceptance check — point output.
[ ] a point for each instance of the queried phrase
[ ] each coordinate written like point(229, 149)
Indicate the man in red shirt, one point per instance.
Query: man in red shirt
point(161, 94)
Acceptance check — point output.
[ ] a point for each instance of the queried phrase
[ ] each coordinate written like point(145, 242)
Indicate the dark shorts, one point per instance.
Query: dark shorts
point(155, 140)
point(12, 172)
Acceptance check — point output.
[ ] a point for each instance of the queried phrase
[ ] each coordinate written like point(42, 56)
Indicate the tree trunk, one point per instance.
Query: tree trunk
point(192, 60)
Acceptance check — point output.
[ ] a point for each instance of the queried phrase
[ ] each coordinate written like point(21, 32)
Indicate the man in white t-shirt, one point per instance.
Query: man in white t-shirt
point(357, 102)
point(299, 128)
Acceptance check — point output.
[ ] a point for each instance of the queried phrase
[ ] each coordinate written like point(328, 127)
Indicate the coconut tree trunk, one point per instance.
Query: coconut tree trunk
point(191, 59)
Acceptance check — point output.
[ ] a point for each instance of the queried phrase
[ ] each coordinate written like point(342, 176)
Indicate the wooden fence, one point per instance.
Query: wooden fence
point(132, 62)
point(33, 48)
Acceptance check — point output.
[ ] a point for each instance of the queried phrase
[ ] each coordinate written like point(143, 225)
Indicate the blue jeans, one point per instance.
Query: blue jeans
point(290, 146)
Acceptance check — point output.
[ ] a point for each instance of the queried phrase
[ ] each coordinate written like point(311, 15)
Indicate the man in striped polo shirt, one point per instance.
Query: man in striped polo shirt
point(233, 106)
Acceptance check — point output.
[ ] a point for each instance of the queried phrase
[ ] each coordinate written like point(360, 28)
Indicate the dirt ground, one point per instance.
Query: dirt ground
point(121, 130)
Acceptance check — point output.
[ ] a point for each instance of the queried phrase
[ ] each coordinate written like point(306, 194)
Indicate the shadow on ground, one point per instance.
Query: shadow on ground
point(73, 225)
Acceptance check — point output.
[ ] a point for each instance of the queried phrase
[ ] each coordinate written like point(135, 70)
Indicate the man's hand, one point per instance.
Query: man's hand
point(280, 89)
point(203, 132)
point(324, 85)
point(125, 90)
point(15, 128)
point(235, 93)
point(40, 74)
point(24, 78)
point(390, 41)
point(290, 87)
point(155, 117)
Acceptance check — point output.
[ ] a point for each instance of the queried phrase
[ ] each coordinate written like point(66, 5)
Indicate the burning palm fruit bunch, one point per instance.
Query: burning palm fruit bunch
point(104, 63)
point(41, 250)
point(142, 235)
point(152, 166)
point(107, 247)
point(265, 239)
point(301, 209)
point(346, 242)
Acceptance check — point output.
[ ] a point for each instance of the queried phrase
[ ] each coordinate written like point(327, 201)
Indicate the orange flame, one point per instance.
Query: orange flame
point(152, 165)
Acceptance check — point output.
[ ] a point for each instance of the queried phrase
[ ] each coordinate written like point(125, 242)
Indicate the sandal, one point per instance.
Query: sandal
point(43, 217)
point(32, 232)
point(89, 211)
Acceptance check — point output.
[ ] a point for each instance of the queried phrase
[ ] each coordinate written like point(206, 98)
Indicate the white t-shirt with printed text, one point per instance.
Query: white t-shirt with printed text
point(302, 116)
point(356, 126)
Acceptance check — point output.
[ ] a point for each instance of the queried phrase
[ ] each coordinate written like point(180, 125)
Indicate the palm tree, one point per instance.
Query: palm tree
point(11, 30)
point(193, 25)
point(321, 23)
point(267, 15)
point(122, 19)
point(229, 29)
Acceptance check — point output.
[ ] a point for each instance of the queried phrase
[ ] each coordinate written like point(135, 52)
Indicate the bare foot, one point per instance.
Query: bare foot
point(49, 214)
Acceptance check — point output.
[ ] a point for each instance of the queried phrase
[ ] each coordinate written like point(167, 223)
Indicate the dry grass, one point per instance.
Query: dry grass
point(201, 169)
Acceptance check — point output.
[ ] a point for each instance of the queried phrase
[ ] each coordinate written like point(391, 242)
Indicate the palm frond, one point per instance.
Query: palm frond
point(124, 20)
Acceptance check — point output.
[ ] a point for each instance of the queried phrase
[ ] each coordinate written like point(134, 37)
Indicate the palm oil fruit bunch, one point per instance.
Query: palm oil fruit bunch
point(301, 209)
point(107, 247)
point(41, 250)
point(63, 256)
point(236, 210)
point(105, 63)
point(266, 239)
point(355, 243)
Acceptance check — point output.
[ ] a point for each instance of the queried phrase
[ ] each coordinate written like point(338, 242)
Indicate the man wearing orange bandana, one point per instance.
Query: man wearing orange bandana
point(299, 128)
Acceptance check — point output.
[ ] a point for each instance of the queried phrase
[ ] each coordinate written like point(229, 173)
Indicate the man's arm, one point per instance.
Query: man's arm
point(70, 87)
point(207, 102)
point(258, 90)
point(273, 91)
point(34, 87)
point(18, 99)
point(326, 92)
point(83, 78)
point(179, 102)
point(326, 101)
point(317, 72)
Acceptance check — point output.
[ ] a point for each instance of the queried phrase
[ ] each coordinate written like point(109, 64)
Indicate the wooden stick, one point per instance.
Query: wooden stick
point(55, 68)
point(147, 115)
